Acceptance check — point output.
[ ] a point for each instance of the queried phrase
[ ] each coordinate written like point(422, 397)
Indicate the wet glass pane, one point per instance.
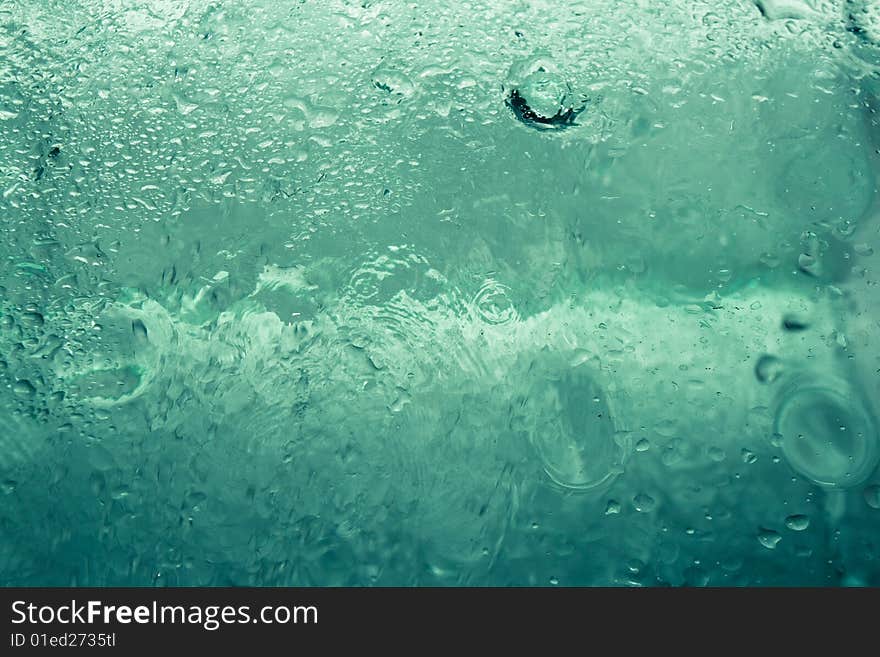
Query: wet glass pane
point(366, 292)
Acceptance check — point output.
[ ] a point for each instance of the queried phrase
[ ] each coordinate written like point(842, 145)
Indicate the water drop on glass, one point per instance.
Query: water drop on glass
point(769, 538)
point(797, 522)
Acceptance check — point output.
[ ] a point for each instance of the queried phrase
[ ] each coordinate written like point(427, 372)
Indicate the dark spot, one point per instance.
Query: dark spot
point(139, 330)
point(54, 151)
point(563, 118)
point(854, 20)
point(854, 27)
point(794, 324)
point(768, 368)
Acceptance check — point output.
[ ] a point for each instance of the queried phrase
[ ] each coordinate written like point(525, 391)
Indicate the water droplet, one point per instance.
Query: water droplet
point(120, 492)
point(863, 20)
point(780, 9)
point(768, 538)
point(768, 368)
point(393, 82)
point(34, 319)
point(539, 96)
point(24, 388)
point(797, 522)
point(809, 265)
point(643, 445)
point(612, 507)
point(97, 483)
point(139, 330)
point(403, 398)
point(574, 435)
point(492, 304)
point(872, 496)
point(825, 432)
point(643, 503)
point(184, 106)
point(716, 454)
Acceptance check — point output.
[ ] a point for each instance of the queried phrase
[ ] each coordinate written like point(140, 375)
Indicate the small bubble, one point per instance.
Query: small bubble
point(643, 445)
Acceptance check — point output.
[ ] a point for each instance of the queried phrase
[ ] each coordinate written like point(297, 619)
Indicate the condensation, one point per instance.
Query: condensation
point(487, 293)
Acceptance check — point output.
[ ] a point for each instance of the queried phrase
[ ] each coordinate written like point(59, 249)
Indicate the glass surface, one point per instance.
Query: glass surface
point(367, 292)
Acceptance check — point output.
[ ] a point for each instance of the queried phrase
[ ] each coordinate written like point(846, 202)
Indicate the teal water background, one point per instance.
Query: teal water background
point(482, 293)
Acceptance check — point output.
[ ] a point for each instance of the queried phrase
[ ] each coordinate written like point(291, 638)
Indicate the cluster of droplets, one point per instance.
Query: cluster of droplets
point(213, 224)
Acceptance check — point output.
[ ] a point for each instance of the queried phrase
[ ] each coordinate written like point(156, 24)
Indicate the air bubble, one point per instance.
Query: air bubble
point(539, 96)
point(574, 435)
point(825, 432)
point(493, 305)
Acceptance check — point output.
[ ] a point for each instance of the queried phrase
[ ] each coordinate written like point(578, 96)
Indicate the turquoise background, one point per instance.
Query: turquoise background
point(295, 293)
